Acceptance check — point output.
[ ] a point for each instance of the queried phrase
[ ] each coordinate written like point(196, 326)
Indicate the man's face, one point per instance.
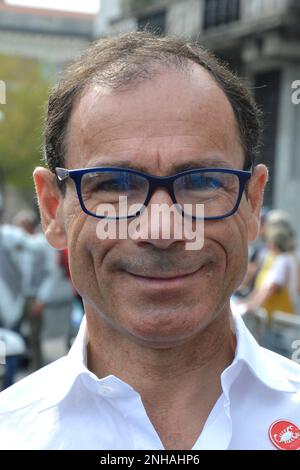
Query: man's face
point(155, 291)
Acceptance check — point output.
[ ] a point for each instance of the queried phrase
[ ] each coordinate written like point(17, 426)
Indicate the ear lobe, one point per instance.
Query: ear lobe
point(50, 205)
point(255, 199)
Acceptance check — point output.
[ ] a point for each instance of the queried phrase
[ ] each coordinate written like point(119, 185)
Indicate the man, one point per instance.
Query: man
point(157, 363)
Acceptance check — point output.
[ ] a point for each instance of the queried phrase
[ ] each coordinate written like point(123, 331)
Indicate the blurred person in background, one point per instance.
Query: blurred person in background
point(276, 282)
point(281, 218)
point(13, 243)
point(10, 295)
point(38, 266)
point(259, 253)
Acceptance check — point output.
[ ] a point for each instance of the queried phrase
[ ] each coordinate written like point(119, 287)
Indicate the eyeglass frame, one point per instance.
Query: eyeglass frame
point(166, 182)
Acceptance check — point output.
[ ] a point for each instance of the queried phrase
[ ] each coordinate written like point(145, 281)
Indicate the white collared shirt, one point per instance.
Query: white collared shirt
point(65, 406)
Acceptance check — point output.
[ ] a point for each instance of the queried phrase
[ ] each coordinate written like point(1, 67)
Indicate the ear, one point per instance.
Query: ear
point(256, 189)
point(50, 202)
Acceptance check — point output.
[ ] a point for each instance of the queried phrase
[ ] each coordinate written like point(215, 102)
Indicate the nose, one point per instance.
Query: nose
point(161, 223)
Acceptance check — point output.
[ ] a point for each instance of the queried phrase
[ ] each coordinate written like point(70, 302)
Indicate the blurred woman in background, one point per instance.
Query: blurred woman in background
point(276, 283)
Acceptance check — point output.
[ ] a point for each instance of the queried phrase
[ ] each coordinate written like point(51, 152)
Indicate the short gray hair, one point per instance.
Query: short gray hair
point(120, 61)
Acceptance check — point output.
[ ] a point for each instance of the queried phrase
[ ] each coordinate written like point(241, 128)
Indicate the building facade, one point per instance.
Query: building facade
point(47, 35)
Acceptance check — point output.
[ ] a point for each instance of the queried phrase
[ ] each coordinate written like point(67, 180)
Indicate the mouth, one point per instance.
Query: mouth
point(163, 280)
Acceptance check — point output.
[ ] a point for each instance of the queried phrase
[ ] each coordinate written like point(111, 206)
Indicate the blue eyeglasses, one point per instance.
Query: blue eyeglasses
point(219, 190)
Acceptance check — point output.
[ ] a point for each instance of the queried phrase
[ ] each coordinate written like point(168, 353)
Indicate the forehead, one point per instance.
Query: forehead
point(176, 114)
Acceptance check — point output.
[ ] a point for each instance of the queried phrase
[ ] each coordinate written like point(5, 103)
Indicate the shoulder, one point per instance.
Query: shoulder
point(10, 234)
point(280, 260)
point(285, 259)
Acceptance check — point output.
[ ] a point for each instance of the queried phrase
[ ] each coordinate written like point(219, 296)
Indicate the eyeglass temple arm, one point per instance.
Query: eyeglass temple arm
point(62, 173)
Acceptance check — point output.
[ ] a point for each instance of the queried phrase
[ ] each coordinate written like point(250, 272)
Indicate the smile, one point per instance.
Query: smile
point(164, 280)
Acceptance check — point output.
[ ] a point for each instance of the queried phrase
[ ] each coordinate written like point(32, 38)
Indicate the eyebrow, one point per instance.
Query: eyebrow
point(120, 164)
point(175, 168)
point(203, 163)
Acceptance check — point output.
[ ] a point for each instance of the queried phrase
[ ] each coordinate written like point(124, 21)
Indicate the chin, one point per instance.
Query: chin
point(164, 329)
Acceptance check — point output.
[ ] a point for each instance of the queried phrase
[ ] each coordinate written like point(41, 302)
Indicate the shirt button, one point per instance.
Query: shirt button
point(105, 390)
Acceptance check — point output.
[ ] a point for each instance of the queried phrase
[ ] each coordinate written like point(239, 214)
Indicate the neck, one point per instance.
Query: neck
point(178, 384)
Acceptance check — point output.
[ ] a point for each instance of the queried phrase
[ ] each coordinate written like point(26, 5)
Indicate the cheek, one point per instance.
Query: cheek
point(86, 251)
point(231, 237)
point(237, 253)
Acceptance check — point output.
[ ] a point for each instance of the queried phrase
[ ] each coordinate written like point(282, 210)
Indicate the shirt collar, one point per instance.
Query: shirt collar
point(265, 366)
point(249, 354)
point(73, 369)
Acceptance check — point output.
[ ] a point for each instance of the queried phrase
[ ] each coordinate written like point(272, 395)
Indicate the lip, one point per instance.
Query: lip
point(164, 281)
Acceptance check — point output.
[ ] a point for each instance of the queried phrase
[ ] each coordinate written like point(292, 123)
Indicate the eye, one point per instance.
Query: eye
point(113, 184)
point(202, 182)
point(109, 183)
point(208, 182)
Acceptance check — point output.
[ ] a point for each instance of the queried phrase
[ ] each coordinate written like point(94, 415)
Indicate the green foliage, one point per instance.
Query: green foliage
point(21, 126)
